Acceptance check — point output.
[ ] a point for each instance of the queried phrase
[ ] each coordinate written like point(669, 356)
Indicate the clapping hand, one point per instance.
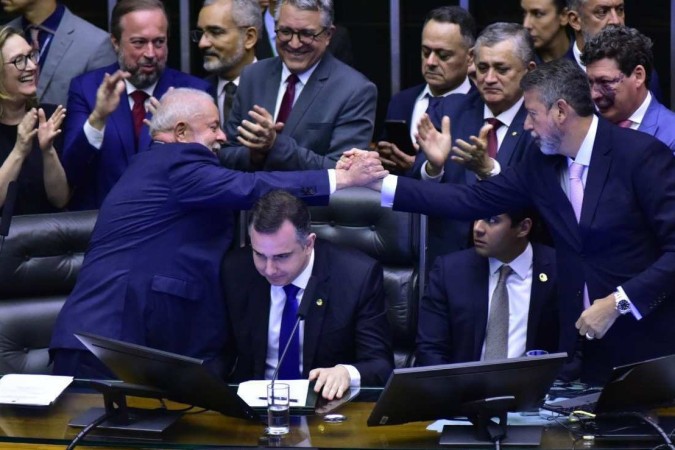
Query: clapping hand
point(474, 156)
point(49, 129)
point(26, 131)
point(435, 145)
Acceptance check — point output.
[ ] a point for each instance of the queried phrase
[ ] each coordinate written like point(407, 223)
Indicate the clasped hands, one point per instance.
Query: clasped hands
point(360, 168)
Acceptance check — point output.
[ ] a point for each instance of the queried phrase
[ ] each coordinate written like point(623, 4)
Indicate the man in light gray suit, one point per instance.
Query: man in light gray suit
point(68, 45)
point(324, 105)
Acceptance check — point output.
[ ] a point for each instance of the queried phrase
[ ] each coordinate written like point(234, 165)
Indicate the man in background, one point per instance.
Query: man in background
point(68, 45)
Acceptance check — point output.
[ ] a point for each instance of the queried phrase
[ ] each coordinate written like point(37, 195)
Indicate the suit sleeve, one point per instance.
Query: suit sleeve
point(374, 357)
point(78, 154)
point(434, 339)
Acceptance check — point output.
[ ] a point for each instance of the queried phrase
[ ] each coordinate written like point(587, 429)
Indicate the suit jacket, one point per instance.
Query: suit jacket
point(151, 273)
point(346, 322)
point(659, 121)
point(454, 310)
point(626, 236)
point(340, 45)
point(466, 115)
point(91, 172)
point(77, 47)
point(335, 112)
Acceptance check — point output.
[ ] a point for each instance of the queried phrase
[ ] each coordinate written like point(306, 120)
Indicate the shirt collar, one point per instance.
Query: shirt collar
point(520, 265)
point(222, 81)
point(586, 148)
point(505, 117)
point(51, 23)
point(148, 90)
point(639, 114)
point(303, 77)
point(302, 279)
point(577, 55)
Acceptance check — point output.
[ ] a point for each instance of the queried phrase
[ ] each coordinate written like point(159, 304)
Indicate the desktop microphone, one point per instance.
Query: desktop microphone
point(302, 312)
point(8, 211)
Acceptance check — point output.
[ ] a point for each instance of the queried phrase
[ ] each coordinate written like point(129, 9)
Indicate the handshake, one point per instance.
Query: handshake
point(360, 168)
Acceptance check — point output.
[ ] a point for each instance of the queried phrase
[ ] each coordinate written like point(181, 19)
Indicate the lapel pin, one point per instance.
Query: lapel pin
point(515, 133)
point(543, 277)
point(319, 302)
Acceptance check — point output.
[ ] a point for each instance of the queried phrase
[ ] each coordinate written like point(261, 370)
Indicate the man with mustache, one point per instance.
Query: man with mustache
point(324, 105)
point(448, 35)
point(106, 107)
point(227, 32)
point(619, 64)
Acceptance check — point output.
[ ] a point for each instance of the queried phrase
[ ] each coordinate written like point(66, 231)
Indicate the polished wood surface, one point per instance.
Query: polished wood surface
point(45, 428)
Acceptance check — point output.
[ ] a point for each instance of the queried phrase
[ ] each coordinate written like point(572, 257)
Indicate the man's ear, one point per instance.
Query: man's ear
point(640, 74)
point(115, 43)
point(250, 38)
point(181, 132)
point(525, 227)
point(561, 110)
point(574, 20)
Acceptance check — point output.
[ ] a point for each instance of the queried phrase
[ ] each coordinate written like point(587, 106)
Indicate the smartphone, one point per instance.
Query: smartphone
point(398, 133)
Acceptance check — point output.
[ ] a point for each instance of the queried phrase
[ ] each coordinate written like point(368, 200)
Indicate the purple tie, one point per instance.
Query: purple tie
point(577, 199)
point(290, 366)
point(493, 143)
point(625, 123)
point(138, 111)
point(289, 98)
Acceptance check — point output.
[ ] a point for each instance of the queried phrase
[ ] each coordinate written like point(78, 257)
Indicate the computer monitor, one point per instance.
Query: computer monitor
point(480, 391)
point(159, 374)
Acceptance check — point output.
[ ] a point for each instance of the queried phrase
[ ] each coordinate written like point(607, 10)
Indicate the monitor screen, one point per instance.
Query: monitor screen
point(444, 391)
point(183, 379)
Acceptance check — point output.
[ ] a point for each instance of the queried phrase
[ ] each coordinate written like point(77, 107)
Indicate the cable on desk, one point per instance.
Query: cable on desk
point(649, 421)
point(86, 430)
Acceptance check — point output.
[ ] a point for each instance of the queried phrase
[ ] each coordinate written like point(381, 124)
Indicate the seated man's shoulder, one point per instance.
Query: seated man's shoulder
point(342, 256)
point(411, 92)
point(459, 260)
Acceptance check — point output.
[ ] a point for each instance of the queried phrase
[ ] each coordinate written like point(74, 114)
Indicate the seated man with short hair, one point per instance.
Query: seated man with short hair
point(494, 301)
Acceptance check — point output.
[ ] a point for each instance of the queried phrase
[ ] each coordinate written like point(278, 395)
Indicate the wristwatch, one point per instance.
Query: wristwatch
point(622, 304)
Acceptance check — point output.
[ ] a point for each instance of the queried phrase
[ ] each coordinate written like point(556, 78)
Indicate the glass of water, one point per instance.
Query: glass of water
point(278, 403)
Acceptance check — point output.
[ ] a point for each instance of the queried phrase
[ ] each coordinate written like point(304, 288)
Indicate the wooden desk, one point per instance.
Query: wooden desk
point(49, 427)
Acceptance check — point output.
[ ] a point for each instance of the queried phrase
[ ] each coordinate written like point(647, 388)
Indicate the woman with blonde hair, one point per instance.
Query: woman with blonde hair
point(27, 137)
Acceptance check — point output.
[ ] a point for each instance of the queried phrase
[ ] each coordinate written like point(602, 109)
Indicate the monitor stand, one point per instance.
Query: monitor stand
point(485, 430)
point(122, 417)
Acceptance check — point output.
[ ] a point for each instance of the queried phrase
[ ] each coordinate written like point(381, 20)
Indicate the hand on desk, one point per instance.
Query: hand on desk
point(334, 381)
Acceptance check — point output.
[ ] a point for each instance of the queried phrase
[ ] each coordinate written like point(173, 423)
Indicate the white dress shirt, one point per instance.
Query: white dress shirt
point(422, 104)
point(299, 86)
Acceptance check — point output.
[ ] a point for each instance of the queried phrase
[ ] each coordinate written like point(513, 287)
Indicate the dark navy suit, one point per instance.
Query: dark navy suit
point(346, 322)
point(91, 172)
point(626, 236)
point(454, 311)
point(151, 273)
point(467, 118)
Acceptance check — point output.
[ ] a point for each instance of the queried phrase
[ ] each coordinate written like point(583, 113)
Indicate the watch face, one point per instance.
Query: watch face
point(623, 306)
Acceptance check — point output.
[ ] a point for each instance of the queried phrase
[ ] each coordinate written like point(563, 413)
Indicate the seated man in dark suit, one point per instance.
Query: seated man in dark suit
point(497, 300)
point(619, 64)
point(448, 35)
point(345, 338)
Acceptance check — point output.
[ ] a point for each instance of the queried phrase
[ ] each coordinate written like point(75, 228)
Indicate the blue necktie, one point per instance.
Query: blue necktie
point(290, 367)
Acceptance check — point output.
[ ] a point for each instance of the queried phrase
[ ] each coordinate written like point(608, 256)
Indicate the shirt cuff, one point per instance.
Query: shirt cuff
point(633, 310)
point(388, 191)
point(425, 175)
point(496, 169)
point(332, 180)
point(94, 136)
point(354, 375)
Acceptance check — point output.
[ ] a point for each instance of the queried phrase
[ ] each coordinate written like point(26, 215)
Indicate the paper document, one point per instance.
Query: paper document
point(254, 392)
point(32, 390)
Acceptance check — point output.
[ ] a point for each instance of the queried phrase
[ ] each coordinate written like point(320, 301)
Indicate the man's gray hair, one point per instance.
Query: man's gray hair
point(325, 7)
point(501, 31)
point(245, 13)
point(574, 5)
point(177, 105)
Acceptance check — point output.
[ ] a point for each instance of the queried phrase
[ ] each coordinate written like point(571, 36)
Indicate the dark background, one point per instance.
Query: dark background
point(368, 23)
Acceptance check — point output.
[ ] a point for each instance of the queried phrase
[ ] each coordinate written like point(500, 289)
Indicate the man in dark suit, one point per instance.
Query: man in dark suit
point(227, 32)
point(460, 314)
point(340, 44)
point(448, 35)
point(503, 55)
point(69, 45)
point(608, 197)
point(345, 338)
point(106, 107)
point(324, 105)
point(619, 65)
point(150, 275)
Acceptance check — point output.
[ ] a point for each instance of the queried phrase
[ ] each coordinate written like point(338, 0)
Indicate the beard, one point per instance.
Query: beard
point(139, 79)
point(550, 144)
point(224, 63)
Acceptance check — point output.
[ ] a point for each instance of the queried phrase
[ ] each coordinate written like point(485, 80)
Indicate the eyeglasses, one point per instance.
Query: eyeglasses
point(211, 33)
point(304, 36)
point(605, 85)
point(21, 61)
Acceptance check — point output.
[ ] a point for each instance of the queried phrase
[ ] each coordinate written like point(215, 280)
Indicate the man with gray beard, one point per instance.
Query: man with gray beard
point(106, 107)
point(227, 32)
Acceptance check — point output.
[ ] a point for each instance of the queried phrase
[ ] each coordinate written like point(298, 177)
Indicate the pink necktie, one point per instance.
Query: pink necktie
point(493, 144)
point(625, 123)
point(577, 199)
point(289, 98)
point(138, 111)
